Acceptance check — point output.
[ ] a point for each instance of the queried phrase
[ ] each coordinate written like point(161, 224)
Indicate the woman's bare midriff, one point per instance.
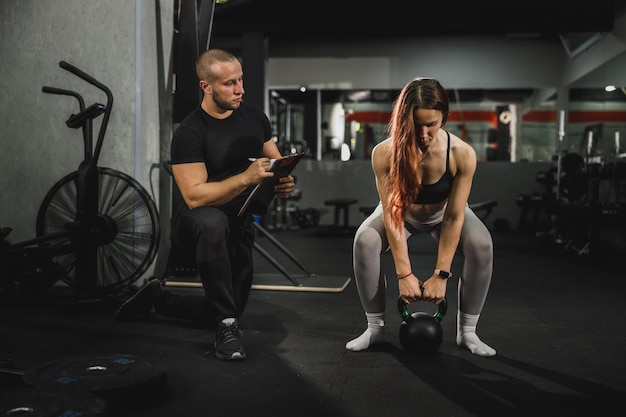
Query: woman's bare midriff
point(426, 209)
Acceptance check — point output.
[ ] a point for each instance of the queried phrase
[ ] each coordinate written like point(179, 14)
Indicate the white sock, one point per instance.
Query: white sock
point(466, 335)
point(228, 320)
point(375, 333)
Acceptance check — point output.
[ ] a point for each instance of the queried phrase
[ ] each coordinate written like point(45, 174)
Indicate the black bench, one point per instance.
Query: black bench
point(342, 206)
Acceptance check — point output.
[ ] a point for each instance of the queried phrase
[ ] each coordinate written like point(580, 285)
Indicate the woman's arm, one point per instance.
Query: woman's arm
point(409, 285)
point(463, 157)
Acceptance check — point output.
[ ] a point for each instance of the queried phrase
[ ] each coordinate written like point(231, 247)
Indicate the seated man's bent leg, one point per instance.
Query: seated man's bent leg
point(204, 230)
point(241, 242)
point(208, 232)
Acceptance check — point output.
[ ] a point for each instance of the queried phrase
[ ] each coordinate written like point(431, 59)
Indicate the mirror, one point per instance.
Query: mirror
point(597, 119)
point(346, 124)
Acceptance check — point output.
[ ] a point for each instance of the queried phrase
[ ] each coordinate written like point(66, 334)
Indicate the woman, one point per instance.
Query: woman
point(424, 177)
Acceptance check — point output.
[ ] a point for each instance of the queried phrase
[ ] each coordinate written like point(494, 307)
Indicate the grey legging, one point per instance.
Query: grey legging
point(476, 246)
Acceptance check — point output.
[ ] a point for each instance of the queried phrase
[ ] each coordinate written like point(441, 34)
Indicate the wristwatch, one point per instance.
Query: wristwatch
point(443, 274)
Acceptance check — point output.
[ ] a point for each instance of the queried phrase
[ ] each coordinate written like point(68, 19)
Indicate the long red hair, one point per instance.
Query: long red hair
point(405, 178)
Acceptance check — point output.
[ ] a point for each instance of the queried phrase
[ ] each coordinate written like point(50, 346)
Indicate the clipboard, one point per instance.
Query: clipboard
point(263, 194)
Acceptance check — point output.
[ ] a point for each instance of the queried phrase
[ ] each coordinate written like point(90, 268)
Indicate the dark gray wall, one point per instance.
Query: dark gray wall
point(113, 41)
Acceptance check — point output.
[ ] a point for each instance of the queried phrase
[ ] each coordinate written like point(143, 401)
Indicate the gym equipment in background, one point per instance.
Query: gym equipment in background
point(582, 201)
point(86, 385)
point(97, 228)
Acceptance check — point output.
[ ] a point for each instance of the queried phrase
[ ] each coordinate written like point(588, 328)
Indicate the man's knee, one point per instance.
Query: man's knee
point(207, 220)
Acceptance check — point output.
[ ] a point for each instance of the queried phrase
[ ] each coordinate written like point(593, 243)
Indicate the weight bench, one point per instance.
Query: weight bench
point(367, 210)
point(342, 206)
point(486, 206)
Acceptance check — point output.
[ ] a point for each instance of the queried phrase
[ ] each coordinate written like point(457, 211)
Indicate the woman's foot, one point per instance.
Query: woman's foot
point(370, 336)
point(472, 342)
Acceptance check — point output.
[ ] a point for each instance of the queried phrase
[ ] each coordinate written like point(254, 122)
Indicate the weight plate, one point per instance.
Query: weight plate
point(34, 403)
point(118, 379)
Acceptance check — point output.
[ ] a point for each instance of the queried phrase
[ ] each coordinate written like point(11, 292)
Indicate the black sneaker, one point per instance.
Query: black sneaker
point(141, 303)
point(227, 344)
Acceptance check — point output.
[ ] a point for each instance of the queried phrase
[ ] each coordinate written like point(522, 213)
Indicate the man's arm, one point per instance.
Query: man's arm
point(192, 181)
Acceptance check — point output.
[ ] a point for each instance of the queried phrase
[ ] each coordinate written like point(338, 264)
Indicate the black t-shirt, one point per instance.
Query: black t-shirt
point(224, 145)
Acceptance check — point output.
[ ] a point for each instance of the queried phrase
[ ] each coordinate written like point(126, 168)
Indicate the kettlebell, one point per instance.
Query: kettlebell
point(421, 332)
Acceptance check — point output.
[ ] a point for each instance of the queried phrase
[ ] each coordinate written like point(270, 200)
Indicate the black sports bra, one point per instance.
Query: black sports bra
point(439, 191)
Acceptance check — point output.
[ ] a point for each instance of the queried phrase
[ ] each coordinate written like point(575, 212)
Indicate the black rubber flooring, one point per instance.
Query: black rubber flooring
point(557, 321)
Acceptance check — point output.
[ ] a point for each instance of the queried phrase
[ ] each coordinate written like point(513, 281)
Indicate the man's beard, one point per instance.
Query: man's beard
point(223, 104)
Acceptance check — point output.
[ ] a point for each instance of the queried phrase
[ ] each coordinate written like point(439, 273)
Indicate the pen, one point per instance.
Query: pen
point(254, 159)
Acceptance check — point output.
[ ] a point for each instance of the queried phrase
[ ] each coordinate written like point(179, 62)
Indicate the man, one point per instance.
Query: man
point(210, 155)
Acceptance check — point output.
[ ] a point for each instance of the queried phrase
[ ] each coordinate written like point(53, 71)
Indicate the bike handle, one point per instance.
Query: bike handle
point(80, 73)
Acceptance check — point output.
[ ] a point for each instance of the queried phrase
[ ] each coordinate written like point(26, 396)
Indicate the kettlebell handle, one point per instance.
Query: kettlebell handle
point(439, 314)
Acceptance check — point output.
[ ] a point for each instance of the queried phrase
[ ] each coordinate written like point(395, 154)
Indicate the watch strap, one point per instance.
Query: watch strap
point(443, 274)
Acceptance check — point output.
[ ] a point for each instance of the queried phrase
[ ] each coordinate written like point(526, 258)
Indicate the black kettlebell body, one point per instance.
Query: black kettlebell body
point(421, 332)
